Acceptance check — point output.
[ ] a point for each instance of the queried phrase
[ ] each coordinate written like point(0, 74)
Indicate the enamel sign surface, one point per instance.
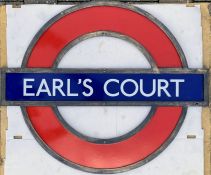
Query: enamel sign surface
point(167, 87)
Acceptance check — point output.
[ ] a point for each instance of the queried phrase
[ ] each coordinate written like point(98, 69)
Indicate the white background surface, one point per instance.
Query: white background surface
point(183, 156)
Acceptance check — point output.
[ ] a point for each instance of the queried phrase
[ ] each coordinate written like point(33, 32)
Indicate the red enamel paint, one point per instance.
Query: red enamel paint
point(102, 18)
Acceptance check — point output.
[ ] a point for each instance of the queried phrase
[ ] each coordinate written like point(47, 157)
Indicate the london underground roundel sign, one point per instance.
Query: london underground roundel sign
point(44, 86)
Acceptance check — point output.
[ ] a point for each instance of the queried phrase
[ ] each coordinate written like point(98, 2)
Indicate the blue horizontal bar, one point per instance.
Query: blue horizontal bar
point(85, 87)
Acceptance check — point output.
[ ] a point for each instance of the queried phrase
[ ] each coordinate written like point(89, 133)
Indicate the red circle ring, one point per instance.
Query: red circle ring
point(65, 145)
